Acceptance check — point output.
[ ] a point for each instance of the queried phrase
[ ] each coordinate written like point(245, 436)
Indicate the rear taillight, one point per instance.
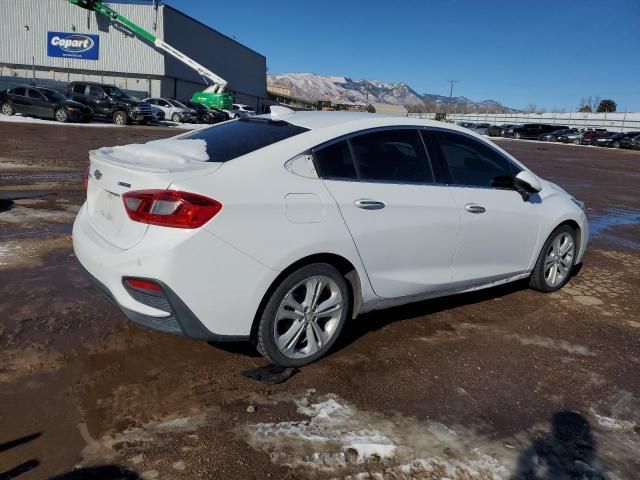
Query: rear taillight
point(170, 208)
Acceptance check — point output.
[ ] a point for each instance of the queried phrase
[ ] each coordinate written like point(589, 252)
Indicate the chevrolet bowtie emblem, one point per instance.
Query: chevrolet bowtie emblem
point(97, 174)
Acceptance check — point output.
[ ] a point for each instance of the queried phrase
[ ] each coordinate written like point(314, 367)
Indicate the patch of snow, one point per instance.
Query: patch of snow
point(168, 152)
point(610, 423)
point(4, 253)
point(22, 119)
point(337, 437)
point(41, 121)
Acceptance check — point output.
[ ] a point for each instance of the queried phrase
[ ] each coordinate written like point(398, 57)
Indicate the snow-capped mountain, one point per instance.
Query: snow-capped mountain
point(346, 90)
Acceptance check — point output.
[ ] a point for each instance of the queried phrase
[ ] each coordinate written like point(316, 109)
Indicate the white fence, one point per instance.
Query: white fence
point(618, 121)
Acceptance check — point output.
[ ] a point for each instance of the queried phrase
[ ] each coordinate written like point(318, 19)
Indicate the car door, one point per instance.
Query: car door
point(98, 100)
point(77, 92)
point(165, 107)
point(499, 230)
point(405, 227)
point(21, 103)
point(39, 105)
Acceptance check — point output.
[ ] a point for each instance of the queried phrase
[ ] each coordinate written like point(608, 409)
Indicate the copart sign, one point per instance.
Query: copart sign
point(73, 45)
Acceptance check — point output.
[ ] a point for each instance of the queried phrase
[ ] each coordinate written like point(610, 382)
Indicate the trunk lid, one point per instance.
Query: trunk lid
point(111, 175)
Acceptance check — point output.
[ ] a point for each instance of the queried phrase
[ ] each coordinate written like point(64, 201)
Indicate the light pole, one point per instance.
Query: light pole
point(451, 92)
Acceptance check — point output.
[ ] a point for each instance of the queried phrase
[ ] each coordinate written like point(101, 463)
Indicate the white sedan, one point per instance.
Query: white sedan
point(279, 229)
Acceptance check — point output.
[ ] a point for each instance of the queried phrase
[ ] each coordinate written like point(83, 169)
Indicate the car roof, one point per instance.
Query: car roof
point(314, 120)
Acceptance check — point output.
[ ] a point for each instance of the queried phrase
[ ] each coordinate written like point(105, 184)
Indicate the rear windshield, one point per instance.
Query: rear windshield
point(239, 137)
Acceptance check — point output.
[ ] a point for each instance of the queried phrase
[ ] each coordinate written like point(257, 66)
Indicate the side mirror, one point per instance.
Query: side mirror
point(527, 183)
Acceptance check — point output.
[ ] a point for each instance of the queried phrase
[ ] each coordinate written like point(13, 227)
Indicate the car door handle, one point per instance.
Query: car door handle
point(367, 204)
point(473, 208)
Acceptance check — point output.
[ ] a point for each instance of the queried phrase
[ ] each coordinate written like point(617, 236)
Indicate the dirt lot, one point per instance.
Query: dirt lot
point(485, 385)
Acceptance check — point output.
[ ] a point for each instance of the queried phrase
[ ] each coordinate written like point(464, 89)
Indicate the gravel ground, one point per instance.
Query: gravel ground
point(488, 385)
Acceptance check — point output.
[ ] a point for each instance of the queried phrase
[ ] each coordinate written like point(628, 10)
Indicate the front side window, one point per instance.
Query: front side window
point(114, 92)
point(472, 163)
point(78, 88)
point(36, 95)
point(229, 140)
point(20, 91)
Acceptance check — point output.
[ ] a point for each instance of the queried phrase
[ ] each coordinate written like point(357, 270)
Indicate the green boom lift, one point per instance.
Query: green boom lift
point(213, 96)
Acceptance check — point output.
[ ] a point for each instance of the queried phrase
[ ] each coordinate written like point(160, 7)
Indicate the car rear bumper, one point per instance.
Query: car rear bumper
point(180, 321)
point(209, 289)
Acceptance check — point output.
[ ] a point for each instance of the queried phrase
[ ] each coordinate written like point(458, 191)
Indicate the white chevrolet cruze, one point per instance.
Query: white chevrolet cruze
point(280, 228)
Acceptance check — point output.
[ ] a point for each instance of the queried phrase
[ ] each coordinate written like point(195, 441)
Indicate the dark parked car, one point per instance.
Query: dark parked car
point(44, 103)
point(109, 101)
point(630, 142)
point(205, 114)
point(615, 139)
point(591, 135)
point(499, 130)
point(482, 125)
point(533, 130)
point(553, 136)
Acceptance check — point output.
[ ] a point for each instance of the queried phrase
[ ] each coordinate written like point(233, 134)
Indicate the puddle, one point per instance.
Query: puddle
point(600, 225)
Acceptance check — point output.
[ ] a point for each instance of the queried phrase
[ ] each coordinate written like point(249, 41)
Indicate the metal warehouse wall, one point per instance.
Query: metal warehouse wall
point(244, 69)
point(118, 52)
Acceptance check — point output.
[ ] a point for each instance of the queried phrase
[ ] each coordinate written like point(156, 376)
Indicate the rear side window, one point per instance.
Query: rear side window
point(20, 91)
point(396, 156)
point(335, 162)
point(78, 88)
point(234, 139)
point(470, 162)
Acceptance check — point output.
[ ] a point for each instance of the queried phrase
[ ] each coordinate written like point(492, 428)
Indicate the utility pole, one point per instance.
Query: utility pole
point(451, 92)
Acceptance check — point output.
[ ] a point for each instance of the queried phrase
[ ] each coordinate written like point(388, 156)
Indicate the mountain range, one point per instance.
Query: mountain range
point(310, 86)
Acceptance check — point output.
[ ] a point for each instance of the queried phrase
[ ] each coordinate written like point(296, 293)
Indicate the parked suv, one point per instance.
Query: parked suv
point(43, 103)
point(533, 130)
point(174, 110)
point(109, 101)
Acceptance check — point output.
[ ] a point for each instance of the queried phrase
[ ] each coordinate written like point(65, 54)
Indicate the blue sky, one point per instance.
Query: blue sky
point(551, 53)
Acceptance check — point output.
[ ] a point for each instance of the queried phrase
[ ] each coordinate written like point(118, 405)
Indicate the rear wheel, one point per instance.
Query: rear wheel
point(616, 144)
point(517, 136)
point(304, 316)
point(61, 115)
point(576, 141)
point(7, 109)
point(120, 118)
point(556, 260)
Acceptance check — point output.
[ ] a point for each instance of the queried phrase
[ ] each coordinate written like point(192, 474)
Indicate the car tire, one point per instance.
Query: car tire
point(288, 320)
point(616, 145)
point(175, 117)
point(517, 136)
point(61, 115)
point(120, 118)
point(7, 109)
point(576, 141)
point(553, 268)
point(236, 116)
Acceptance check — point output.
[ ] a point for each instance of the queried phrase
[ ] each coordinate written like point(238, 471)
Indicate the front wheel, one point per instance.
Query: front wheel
point(61, 115)
point(304, 316)
point(517, 136)
point(120, 118)
point(555, 263)
point(616, 144)
point(175, 117)
point(7, 109)
point(576, 141)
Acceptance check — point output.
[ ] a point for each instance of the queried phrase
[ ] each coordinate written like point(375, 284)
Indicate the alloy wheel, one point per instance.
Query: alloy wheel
point(7, 109)
point(308, 317)
point(559, 259)
point(61, 115)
